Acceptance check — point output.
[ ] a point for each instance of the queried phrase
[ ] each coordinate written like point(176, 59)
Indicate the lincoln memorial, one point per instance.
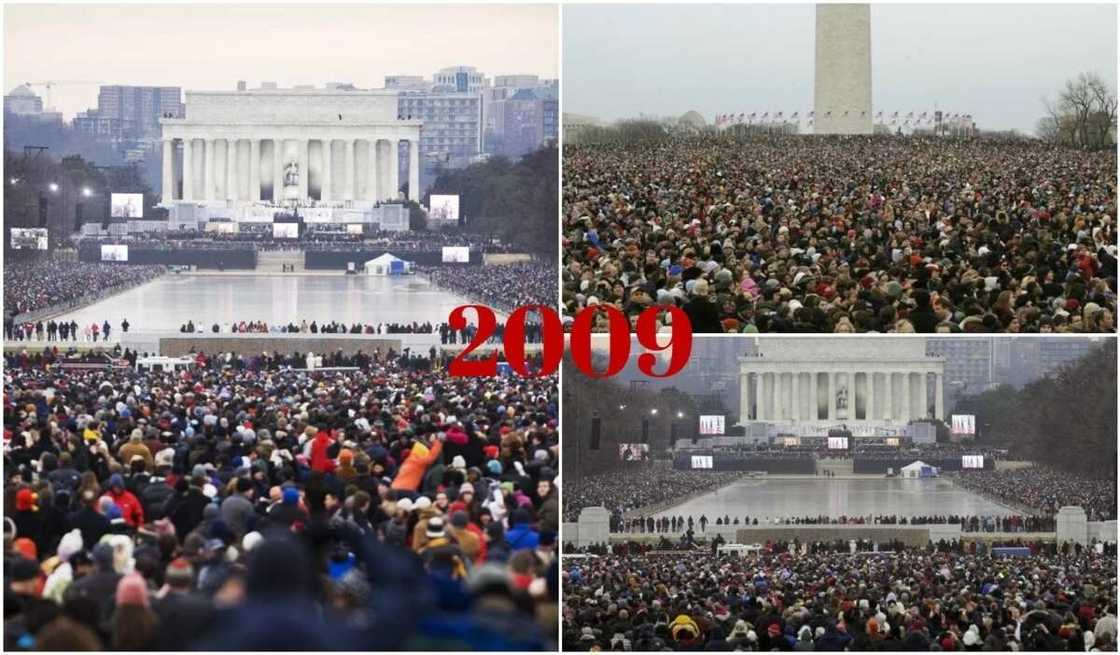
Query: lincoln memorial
point(237, 153)
point(808, 385)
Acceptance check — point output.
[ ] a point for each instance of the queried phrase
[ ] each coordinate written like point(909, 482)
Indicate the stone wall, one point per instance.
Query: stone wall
point(254, 344)
point(842, 82)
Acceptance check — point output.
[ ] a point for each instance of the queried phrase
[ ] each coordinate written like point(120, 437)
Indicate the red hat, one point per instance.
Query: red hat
point(26, 499)
point(491, 452)
point(773, 630)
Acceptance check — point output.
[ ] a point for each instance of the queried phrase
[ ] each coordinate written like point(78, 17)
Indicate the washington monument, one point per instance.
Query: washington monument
point(842, 84)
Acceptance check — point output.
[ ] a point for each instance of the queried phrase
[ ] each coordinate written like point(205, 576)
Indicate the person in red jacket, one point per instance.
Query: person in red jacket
point(131, 509)
point(320, 461)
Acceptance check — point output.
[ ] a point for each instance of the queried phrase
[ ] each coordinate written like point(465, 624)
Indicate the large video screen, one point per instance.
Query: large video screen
point(701, 461)
point(711, 424)
point(354, 228)
point(127, 205)
point(29, 238)
point(964, 424)
point(633, 452)
point(285, 230)
point(838, 443)
point(114, 253)
point(444, 208)
point(972, 461)
point(456, 255)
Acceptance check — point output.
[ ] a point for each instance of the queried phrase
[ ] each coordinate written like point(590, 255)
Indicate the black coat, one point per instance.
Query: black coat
point(187, 512)
point(704, 316)
point(92, 525)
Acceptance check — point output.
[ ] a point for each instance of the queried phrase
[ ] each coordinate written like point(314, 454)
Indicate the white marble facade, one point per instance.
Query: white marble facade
point(883, 381)
point(290, 146)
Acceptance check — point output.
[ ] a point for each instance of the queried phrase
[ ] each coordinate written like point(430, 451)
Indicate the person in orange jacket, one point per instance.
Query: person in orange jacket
point(412, 469)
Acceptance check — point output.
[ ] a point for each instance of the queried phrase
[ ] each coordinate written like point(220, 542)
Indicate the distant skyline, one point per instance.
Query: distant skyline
point(993, 61)
point(211, 47)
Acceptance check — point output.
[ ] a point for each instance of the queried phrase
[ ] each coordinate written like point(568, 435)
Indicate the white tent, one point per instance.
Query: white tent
point(387, 264)
point(917, 469)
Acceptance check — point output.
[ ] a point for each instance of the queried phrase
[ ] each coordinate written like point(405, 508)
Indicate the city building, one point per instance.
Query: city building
point(240, 156)
point(131, 113)
point(23, 101)
point(451, 136)
point(460, 79)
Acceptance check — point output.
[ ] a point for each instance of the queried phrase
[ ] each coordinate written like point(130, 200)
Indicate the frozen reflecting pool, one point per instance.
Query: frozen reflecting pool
point(788, 497)
point(172, 300)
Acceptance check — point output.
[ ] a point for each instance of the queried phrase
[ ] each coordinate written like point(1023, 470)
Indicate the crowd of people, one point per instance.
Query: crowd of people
point(636, 486)
point(826, 598)
point(259, 236)
point(501, 286)
point(844, 234)
point(30, 285)
point(243, 505)
point(62, 330)
point(674, 524)
point(447, 335)
point(1045, 489)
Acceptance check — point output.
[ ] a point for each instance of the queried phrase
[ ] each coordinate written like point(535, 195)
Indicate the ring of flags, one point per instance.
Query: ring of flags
point(912, 118)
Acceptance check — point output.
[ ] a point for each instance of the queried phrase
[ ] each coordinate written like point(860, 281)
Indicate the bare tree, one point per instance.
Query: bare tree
point(1084, 114)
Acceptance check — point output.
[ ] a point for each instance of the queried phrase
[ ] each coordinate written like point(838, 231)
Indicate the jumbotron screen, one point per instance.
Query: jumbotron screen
point(456, 255)
point(838, 443)
point(444, 208)
point(29, 238)
point(711, 425)
point(964, 424)
point(972, 461)
point(285, 230)
point(633, 452)
point(127, 205)
point(701, 461)
point(114, 253)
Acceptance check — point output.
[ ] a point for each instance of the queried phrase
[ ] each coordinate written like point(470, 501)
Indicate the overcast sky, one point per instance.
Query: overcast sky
point(993, 61)
point(212, 47)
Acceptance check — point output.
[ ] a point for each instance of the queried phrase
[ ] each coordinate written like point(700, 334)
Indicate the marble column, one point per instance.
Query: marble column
point(231, 169)
point(168, 170)
point(796, 396)
point(744, 391)
point(277, 171)
point(348, 194)
point(209, 175)
point(255, 169)
point(188, 169)
point(872, 398)
point(907, 398)
point(758, 396)
point(938, 397)
point(831, 396)
point(304, 170)
point(394, 169)
point(814, 398)
point(326, 180)
point(414, 170)
point(923, 394)
point(888, 393)
point(371, 171)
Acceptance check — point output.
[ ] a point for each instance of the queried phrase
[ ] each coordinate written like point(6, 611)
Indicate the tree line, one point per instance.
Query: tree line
point(516, 202)
point(1083, 115)
point(1066, 419)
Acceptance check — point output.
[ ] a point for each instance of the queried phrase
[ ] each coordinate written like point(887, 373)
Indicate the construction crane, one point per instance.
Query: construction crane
point(49, 84)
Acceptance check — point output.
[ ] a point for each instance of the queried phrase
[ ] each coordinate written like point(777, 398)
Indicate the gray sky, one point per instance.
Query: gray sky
point(212, 46)
point(993, 61)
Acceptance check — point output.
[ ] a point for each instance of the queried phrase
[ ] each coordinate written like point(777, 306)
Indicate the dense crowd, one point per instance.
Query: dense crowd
point(501, 286)
point(1045, 489)
point(242, 505)
point(825, 598)
point(845, 234)
point(687, 523)
point(260, 236)
point(638, 485)
point(30, 285)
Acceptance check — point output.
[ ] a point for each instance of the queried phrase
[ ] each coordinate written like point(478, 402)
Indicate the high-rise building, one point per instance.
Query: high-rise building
point(452, 133)
point(968, 365)
point(131, 113)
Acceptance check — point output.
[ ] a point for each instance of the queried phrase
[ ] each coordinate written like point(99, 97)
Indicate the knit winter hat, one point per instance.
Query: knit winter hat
point(435, 527)
point(291, 496)
point(27, 500)
point(132, 590)
point(70, 544)
point(180, 571)
point(345, 456)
